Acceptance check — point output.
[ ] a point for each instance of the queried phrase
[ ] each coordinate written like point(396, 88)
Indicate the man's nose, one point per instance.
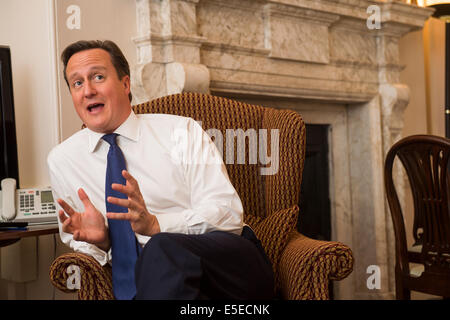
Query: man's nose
point(89, 89)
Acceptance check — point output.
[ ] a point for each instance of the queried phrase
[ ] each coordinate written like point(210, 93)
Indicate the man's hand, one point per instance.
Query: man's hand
point(142, 221)
point(88, 226)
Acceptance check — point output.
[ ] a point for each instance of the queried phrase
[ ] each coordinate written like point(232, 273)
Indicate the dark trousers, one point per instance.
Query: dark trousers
point(215, 265)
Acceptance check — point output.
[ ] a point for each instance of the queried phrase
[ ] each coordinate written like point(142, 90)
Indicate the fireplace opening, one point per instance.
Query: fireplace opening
point(315, 211)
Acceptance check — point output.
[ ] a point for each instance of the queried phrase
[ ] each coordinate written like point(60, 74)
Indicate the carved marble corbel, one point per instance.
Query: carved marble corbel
point(187, 77)
point(394, 100)
point(153, 80)
point(168, 48)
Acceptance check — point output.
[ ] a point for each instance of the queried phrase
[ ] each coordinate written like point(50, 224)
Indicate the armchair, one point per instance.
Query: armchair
point(303, 267)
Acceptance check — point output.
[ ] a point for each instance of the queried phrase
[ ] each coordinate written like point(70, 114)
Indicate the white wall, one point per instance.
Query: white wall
point(434, 48)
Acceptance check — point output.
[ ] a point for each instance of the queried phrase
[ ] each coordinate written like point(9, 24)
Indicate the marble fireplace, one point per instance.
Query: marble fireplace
point(327, 59)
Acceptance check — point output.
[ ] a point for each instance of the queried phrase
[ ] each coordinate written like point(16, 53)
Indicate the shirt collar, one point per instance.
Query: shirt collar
point(128, 129)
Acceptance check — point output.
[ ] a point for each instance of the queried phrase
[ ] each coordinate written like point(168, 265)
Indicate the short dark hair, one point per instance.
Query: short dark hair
point(118, 60)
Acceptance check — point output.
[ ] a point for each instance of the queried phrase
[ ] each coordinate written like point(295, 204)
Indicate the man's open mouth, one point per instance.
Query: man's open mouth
point(95, 106)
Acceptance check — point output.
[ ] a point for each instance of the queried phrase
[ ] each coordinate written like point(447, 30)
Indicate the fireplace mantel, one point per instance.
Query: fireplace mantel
point(320, 50)
point(322, 58)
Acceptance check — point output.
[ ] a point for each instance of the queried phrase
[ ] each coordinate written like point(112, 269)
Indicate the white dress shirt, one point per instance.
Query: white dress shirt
point(180, 173)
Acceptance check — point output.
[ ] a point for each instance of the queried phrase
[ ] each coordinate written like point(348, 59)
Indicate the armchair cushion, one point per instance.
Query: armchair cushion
point(273, 231)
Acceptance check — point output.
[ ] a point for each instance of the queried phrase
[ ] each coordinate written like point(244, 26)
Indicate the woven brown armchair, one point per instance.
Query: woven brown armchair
point(303, 266)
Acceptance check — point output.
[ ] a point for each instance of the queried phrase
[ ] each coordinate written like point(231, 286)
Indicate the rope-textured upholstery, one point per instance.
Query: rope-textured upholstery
point(263, 195)
point(95, 280)
point(307, 265)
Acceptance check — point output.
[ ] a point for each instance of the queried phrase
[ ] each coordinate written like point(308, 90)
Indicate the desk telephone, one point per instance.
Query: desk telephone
point(35, 206)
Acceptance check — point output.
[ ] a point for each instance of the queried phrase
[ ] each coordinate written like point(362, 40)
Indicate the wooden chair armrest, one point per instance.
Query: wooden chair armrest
point(95, 280)
point(307, 266)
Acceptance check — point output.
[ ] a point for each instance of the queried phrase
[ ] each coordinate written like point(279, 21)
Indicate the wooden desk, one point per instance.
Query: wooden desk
point(11, 236)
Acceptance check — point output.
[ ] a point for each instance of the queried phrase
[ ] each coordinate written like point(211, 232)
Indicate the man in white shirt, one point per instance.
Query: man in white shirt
point(185, 214)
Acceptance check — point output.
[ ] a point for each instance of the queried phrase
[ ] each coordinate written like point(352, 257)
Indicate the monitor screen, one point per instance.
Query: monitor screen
point(8, 142)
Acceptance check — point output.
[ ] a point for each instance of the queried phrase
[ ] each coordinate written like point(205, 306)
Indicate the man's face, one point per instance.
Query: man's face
point(99, 96)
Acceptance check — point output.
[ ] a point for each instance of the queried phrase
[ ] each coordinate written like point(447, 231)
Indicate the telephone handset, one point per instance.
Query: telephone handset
point(8, 198)
point(35, 206)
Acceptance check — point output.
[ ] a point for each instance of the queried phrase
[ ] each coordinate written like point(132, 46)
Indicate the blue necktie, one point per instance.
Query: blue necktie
point(123, 240)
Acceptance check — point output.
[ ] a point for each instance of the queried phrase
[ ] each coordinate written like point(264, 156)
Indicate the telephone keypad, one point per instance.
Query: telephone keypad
point(27, 205)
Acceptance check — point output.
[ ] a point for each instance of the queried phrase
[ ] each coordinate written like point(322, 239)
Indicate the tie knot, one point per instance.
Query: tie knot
point(110, 138)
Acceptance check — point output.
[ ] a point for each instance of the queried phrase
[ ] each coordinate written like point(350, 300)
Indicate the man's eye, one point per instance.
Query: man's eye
point(99, 77)
point(76, 84)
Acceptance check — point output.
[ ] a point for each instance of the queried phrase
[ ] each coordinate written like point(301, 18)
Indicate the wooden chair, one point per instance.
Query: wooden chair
point(426, 266)
point(303, 267)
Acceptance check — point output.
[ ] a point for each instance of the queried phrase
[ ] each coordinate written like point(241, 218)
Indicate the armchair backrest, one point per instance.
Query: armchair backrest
point(227, 121)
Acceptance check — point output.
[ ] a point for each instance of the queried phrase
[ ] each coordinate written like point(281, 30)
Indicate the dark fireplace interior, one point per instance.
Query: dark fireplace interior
point(315, 217)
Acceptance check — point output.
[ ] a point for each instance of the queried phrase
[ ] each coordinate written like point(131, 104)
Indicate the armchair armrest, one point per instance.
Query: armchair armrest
point(95, 280)
point(307, 266)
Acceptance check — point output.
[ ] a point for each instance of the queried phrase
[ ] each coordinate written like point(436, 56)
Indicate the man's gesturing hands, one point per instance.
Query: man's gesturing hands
point(90, 227)
point(142, 221)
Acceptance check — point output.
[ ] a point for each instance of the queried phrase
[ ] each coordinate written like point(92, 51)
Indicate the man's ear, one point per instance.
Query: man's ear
point(126, 83)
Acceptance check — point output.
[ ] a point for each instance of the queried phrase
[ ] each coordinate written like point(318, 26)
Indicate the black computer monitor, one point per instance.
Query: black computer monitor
point(9, 166)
